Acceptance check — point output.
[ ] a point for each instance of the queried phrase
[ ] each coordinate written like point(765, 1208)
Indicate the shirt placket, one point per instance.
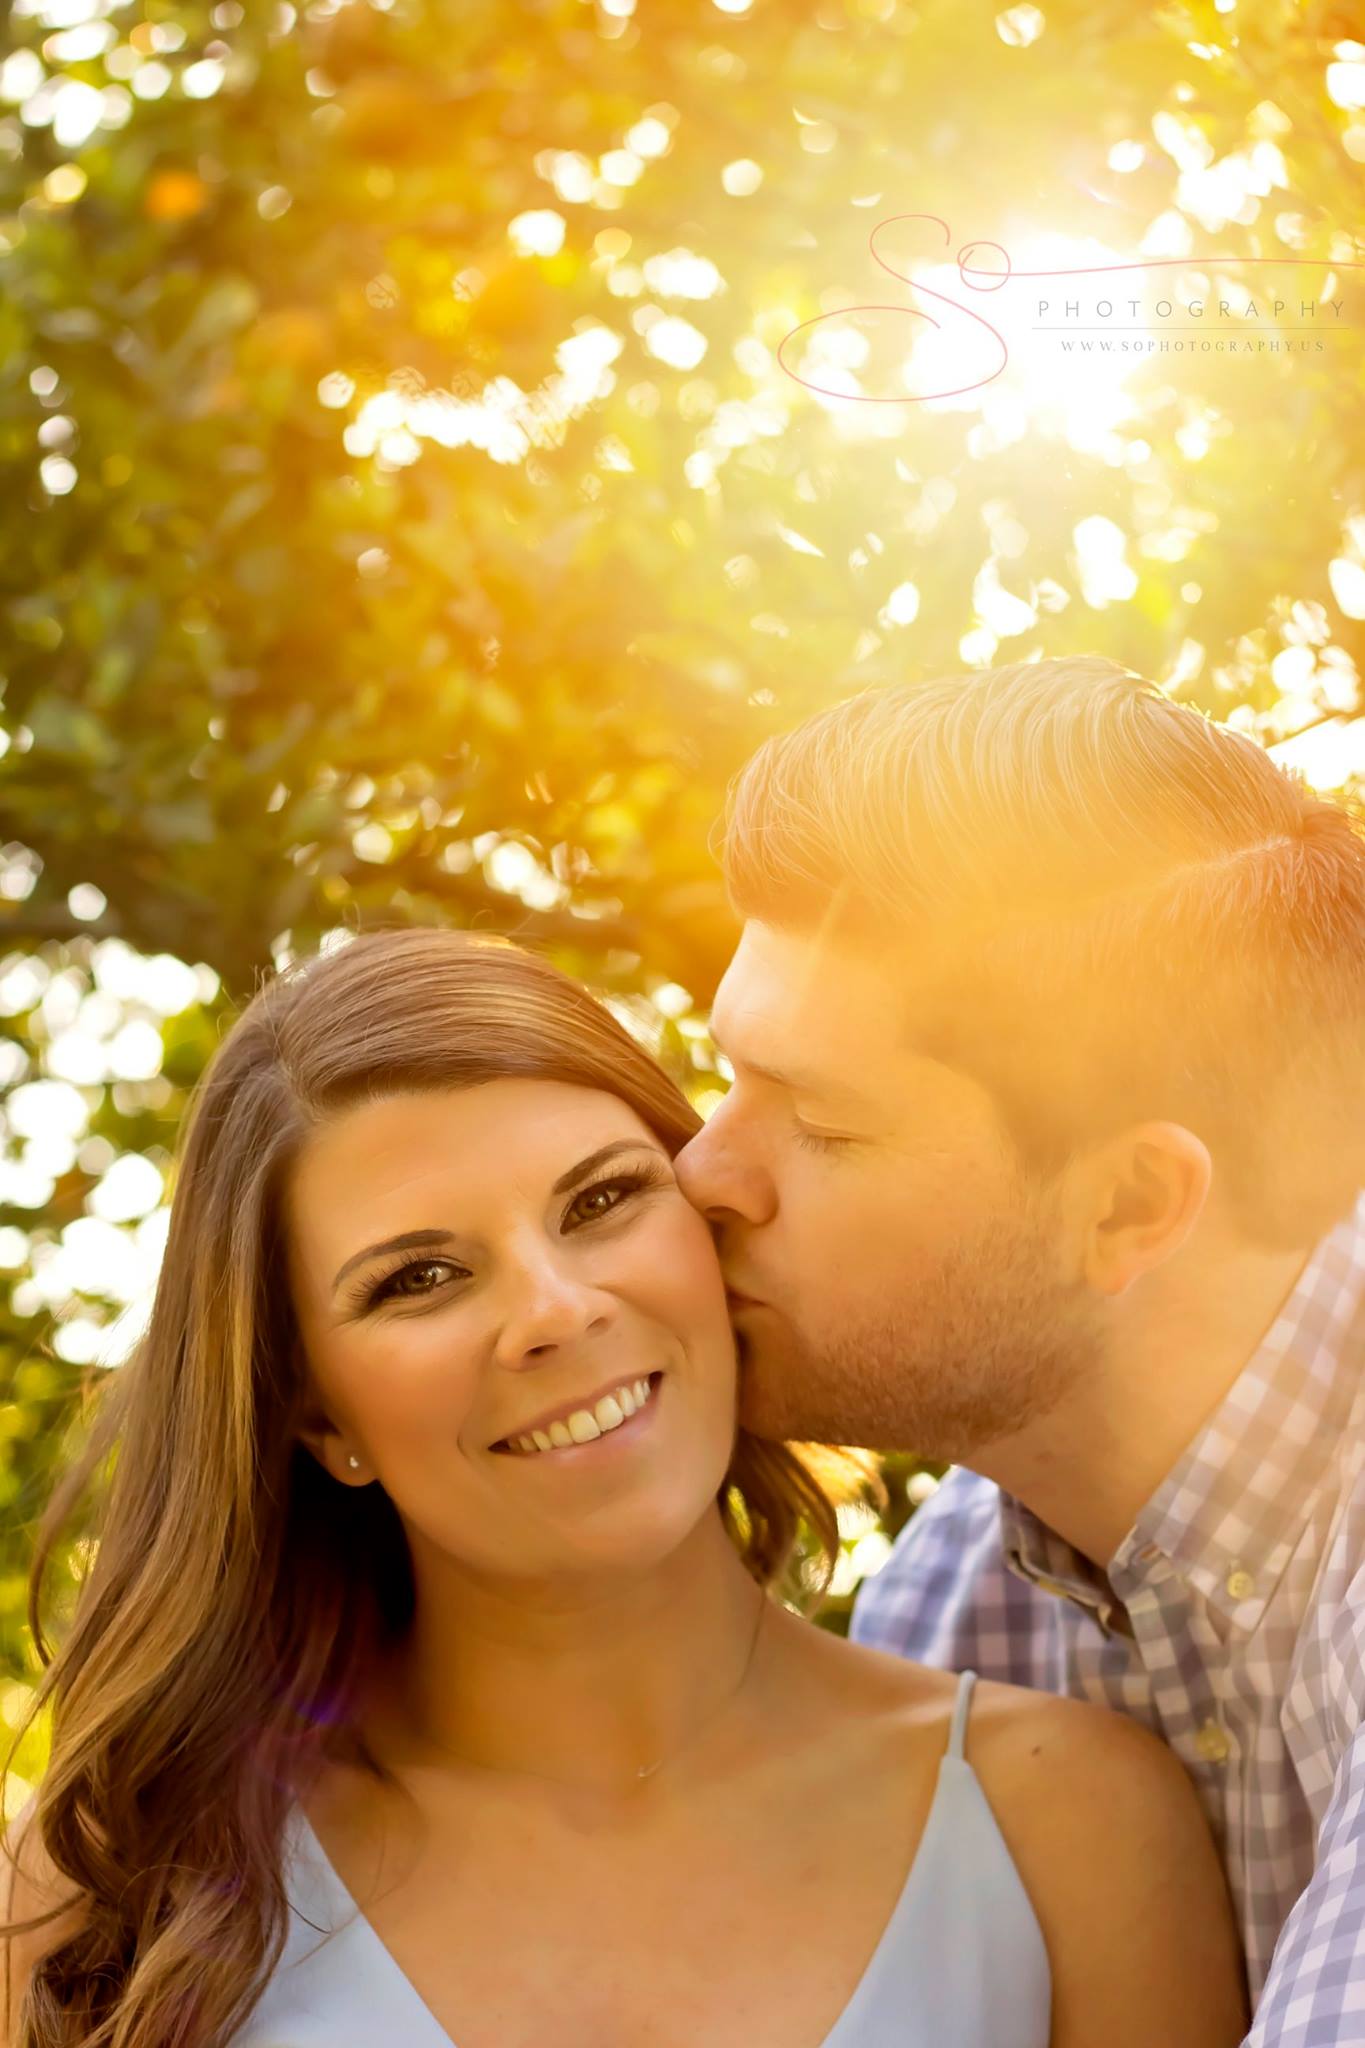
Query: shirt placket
point(1184, 1662)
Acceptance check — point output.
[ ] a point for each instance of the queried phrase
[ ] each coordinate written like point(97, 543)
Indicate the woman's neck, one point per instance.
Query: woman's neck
point(591, 1681)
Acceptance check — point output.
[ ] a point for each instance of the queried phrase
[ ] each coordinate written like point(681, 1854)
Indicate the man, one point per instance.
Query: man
point(1044, 1155)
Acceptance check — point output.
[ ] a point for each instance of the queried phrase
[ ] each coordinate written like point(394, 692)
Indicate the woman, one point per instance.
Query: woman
point(433, 1610)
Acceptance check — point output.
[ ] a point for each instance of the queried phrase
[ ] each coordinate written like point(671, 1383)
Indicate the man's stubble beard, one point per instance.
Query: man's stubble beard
point(987, 1340)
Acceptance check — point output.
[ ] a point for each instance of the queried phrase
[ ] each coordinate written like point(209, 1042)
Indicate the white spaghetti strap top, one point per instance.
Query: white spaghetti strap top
point(961, 1962)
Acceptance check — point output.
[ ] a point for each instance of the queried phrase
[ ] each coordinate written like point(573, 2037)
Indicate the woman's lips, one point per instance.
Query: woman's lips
point(579, 1405)
point(623, 1434)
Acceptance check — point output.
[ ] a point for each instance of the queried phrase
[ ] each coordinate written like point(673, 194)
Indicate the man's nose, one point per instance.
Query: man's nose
point(722, 1175)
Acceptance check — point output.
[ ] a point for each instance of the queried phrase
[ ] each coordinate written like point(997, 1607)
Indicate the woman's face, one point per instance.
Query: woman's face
point(486, 1268)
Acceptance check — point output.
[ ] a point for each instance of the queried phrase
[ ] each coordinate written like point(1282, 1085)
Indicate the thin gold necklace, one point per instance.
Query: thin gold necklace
point(646, 1770)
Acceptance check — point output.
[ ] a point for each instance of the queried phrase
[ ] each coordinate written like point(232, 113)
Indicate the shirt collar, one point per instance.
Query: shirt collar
point(1227, 1515)
point(1037, 1553)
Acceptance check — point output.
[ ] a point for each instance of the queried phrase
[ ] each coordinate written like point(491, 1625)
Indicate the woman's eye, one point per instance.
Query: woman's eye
point(411, 1282)
point(606, 1195)
point(598, 1201)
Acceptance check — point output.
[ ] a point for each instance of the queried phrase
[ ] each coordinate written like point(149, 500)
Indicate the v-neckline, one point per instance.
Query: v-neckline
point(388, 1962)
point(838, 2035)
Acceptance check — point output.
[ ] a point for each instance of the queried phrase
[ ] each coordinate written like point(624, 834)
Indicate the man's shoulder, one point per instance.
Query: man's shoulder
point(954, 1529)
point(963, 1508)
point(961, 1494)
point(948, 1596)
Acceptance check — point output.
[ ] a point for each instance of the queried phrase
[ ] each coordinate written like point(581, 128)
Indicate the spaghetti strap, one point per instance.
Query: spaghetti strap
point(958, 1731)
point(960, 1962)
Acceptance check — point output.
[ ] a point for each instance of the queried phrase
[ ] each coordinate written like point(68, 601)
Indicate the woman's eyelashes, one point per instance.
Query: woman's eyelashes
point(622, 1186)
point(401, 1284)
point(404, 1281)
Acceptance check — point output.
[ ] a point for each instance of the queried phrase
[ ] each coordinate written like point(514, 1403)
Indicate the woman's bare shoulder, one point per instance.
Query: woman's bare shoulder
point(855, 1682)
point(1019, 1736)
point(30, 1885)
point(1106, 1830)
point(29, 1880)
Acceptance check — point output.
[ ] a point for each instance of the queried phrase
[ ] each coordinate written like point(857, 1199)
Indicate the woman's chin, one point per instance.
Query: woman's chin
point(632, 1514)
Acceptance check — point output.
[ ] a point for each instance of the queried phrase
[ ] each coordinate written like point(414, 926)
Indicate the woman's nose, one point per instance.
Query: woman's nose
point(548, 1307)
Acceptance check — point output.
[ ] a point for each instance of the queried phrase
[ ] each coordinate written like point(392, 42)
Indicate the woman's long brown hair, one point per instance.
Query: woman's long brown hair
point(235, 1596)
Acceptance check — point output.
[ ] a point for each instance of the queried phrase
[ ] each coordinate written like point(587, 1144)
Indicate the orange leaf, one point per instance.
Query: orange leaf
point(175, 195)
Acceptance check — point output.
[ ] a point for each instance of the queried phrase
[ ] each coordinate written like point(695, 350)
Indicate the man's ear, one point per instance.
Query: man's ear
point(1147, 1188)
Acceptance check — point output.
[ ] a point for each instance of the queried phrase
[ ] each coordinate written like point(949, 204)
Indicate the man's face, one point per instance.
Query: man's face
point(896, 1278)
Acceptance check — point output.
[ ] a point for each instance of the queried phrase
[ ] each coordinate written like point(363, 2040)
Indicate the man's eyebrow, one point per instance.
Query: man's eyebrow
point(426, 1240)
point(794, 1078)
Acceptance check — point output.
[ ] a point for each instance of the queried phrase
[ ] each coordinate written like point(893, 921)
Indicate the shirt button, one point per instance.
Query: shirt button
point(1212, 1743)
point(1241, 1585)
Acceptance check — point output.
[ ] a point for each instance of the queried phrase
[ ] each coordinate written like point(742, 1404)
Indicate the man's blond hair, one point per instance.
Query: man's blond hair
point(1105, 905)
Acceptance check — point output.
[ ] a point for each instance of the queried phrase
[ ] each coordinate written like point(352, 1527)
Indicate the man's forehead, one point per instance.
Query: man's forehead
point(806, 1006)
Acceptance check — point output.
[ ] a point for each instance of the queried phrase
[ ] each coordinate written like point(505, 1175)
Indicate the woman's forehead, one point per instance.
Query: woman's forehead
point(505, 1128)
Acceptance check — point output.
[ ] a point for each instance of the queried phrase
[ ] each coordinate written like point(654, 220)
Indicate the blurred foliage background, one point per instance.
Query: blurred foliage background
point(406, 513)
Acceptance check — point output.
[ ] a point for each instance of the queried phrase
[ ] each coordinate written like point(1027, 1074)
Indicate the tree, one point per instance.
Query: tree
point(407, 511)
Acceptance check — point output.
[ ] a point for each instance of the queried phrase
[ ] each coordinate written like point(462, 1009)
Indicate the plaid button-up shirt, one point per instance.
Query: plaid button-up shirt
point(1231, 1620)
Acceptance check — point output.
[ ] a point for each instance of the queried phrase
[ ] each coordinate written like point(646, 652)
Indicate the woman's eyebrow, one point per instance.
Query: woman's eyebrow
point(414, 1240)
point(600, 1158)
point(410, 1240)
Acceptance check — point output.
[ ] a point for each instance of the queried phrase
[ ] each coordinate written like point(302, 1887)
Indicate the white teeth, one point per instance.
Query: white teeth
point(584, 1425)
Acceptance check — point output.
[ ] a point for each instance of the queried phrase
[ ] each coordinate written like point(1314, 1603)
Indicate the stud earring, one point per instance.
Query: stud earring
point(353, 1462)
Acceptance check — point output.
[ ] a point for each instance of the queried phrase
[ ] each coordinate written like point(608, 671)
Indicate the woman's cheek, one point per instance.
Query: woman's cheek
point(686, 1262)
point(415, 1377)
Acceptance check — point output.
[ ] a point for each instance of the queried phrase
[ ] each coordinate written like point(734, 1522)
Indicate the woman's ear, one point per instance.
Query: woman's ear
point(334, 1453)
point(316, 1431)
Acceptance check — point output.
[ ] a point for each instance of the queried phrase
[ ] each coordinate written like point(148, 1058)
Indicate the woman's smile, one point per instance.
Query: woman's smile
point(621, 1416)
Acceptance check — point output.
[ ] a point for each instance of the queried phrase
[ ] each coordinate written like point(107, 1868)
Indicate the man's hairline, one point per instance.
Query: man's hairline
point(857, 939)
